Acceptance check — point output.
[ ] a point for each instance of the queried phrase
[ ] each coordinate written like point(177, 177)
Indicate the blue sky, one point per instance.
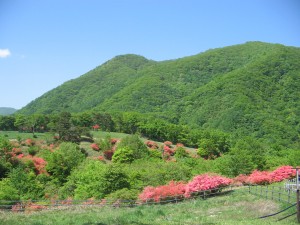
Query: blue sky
point(44, 43)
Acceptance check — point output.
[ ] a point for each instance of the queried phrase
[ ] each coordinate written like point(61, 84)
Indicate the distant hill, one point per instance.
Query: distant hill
point(7, 111)
point(252, 88)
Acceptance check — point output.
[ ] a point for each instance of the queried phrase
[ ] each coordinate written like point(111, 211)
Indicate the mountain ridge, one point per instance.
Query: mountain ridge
point(7, 111)
point(248, 88)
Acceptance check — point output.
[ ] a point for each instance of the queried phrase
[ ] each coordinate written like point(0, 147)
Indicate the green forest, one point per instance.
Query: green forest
point(133, 123)
point(251, 89)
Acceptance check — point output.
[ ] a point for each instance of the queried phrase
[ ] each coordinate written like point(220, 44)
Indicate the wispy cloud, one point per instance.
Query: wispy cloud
point(4, 53)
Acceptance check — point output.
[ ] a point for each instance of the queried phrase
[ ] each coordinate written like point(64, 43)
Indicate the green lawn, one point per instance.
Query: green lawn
point(234, 208)
point(15, 135)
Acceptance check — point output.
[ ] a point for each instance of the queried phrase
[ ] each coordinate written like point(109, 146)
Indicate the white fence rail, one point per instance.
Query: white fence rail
point(292, 185)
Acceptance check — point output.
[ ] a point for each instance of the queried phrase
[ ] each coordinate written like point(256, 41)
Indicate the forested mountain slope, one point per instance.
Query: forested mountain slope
point(7, 110)
point(90, 89)
point(253, 88)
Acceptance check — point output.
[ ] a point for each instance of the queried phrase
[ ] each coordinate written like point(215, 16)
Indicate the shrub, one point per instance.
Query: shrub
point(108, 154)
point(259, 177)
point(123, 155)
point(134, 143)
point(124, 195)
point(33, 150)
point(206, 182)
point(95, 147)
point(63, 160)
point(105, 144)
point(151, 144)
point(180, 152)
point(168, 143)
point(162, 193)
point(8, 192)
point(29, 142)
point(282, 173)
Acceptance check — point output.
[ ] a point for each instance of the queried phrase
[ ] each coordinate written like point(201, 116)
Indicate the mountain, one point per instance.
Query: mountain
point(7, 111)
point(252, 88)
point(90, 89)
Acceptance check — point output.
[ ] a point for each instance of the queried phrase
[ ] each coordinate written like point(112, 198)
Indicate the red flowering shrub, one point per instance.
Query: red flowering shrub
point(95, 147)
point(29, 142)
point(179, 145)
point(168, 151)
point(113, 141)
point(34, 207)
point(89, 201)
point(108, 154)
point(20, 156)
point(240, 180)
point(259, 177)
point(39, 163)
point(283, 173)
point(266, 177)
point(17, 207)
point(101, 158)
point(68, 201)
point(17, 151)
point(181, 190)
point(96, 127)
point(162, 193)
point(206, 182)
point(151, 144)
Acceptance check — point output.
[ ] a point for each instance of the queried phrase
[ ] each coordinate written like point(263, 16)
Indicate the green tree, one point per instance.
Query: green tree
point(123, 155)
point(134, 143)
point(8, 192)
point(66, 130)
point(62, 161)
point(26, 184)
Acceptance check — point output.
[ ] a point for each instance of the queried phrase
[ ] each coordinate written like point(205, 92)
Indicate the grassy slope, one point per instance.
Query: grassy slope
point(235, 208)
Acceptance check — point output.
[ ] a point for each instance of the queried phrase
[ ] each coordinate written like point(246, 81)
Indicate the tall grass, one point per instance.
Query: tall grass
point(235, 208)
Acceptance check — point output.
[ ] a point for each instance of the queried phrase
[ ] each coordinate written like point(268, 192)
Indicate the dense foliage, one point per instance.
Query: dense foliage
point(248, 90)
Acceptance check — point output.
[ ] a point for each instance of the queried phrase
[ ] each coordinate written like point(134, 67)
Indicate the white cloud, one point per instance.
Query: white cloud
point(4, 53)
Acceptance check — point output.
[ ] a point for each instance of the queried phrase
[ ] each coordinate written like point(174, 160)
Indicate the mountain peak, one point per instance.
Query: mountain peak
point(131, 60)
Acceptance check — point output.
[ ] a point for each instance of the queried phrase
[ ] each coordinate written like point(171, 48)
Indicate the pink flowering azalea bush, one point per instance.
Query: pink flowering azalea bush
point(283, 173)
point(151, 144)
point(163, 192)
point(206, 182)
point(267, 177)
point(259, 178)
point(95, 147)
point(181, 190)
point(96, 127)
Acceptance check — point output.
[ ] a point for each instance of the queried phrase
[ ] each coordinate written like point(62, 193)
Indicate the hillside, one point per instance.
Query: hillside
point(252, 88)
point(7, 111)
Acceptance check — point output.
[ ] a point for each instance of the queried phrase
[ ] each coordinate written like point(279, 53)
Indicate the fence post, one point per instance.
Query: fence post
point(298, 197)
point(298, 204)
point(279, 195)
point(272, 193)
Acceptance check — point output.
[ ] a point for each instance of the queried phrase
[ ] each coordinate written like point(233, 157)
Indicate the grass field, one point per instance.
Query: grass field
point(234, 208)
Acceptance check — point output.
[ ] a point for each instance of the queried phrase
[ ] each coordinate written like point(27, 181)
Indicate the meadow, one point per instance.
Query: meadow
point(233, 208)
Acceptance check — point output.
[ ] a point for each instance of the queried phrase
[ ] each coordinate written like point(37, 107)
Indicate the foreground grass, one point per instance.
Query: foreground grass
point(234, 208)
